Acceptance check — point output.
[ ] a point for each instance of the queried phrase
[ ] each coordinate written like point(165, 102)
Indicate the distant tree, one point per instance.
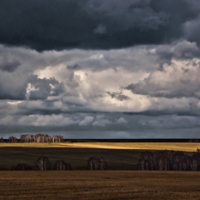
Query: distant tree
point(96, 164)
point(62, 165)
point(43, 163)
point(12, 139)
point(22, 166)
point(22, 138)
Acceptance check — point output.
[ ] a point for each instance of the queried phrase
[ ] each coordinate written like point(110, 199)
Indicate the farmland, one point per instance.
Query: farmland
point(93, 185)
point(119, 181)
point(117, 159)
point(178, 146)
point(119, 156)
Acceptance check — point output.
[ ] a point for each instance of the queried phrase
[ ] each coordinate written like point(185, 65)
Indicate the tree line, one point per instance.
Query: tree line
point(38, 138)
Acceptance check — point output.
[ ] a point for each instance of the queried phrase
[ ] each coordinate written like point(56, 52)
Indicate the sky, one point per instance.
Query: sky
point(100, 69)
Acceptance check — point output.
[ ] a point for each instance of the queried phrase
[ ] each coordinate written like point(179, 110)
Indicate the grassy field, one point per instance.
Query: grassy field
point(119, 156)
point(93, 185)
point(117, 159)
point(189, 147)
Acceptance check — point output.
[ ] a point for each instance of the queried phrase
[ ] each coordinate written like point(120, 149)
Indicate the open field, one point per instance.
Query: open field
point(117, 159)
point(189, 147)
point(119, 156)
point(93, 185)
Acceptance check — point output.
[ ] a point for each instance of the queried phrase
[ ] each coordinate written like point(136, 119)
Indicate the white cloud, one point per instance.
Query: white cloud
point(29, 89)
point(46, 120)
point(86, 121)
point(179, 79)
point(121, 120)
point(99, 75)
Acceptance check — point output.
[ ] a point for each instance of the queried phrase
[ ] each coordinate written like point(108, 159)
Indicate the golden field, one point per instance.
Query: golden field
point(106, 185)
point(189, 147)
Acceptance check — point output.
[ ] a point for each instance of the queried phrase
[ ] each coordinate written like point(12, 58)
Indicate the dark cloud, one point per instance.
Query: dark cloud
point(38, 108)
point(42, 88)
point(88, 89)
point(118, 95)
point(171, 82)
point(177, 73)
point(73, 67)
point(149, 87)
point(13, 92)
point(192, 28)
point(181, 50)
point(93, 24)
point(105, 125)
point(31, 88)
point(10, 66)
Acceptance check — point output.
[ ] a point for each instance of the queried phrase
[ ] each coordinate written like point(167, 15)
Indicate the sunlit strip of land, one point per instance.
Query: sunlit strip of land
point(190, 147)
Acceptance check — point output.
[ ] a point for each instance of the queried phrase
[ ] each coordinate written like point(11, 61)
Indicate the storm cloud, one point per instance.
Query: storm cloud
point(177, 74)
point(92, 24)
point(117, 69)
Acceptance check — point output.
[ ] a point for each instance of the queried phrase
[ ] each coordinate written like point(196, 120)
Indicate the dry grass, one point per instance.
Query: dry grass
point(93, 185)
point(189, 147)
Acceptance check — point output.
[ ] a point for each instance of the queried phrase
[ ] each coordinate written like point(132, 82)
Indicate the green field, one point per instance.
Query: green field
point(189, 147)
point(96, 185)
point(117, 159)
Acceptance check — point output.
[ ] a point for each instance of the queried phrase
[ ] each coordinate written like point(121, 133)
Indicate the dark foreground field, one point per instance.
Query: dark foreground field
point(117, 159)
point(104, 185)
